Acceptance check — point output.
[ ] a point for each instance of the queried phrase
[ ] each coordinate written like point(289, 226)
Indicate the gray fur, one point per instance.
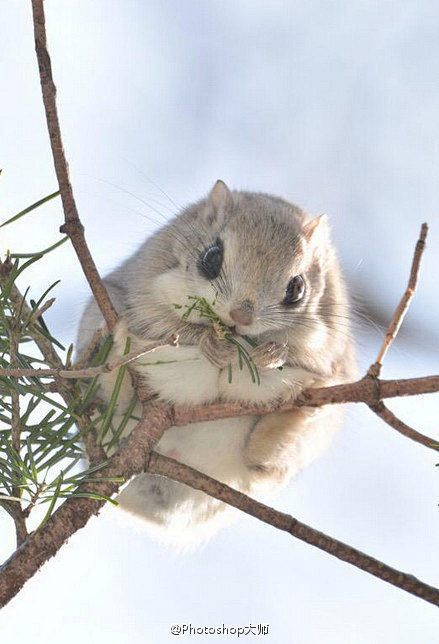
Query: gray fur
point(267, 241)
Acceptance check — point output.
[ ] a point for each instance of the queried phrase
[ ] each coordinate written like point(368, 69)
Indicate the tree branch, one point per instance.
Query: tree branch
point(89, 372)
point(403, 305)
point(135, 453)
point(73, 226)
point(389, 417)
point(75, 512)
point(159, 464)
point(135, 456)
point(368, 390)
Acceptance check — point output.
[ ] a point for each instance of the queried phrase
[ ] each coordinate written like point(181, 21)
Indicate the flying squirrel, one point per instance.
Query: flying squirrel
point(271, 276)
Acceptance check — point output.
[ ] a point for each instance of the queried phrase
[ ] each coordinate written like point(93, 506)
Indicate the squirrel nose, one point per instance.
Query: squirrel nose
point(243, 314)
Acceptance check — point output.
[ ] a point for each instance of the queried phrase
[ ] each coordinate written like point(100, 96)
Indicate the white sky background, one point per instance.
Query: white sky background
point(333, 105)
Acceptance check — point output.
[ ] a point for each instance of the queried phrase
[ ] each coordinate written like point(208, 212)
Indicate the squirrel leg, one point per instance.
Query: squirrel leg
point(281, 444)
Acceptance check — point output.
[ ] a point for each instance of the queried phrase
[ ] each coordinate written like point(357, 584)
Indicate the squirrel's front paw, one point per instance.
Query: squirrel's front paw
point(269, 355)
point(219, 352)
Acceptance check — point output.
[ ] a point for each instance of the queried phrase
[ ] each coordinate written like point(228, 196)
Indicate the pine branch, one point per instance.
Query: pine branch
point(134, 455)
point(75, 512)
point(89, 372)
point(41, 340)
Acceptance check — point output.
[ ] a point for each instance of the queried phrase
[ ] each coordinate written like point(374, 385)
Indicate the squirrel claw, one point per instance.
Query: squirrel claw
point(219, 352)
point(269, 355)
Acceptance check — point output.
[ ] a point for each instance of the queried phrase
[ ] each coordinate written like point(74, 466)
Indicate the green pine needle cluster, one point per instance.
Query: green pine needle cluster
point(205, 310)
point(41, 448)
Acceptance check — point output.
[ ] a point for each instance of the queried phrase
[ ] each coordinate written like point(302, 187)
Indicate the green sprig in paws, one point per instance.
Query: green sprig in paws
point(205, 310)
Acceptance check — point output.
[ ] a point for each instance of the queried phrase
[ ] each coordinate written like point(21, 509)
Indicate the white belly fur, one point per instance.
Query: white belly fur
point(182, 375)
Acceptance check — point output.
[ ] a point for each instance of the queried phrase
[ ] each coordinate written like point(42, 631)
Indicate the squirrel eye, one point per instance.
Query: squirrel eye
point(211, 261)
point(295, 290)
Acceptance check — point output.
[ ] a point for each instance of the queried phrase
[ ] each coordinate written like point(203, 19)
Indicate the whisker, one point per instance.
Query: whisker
point(153, 183)
point(131, 194)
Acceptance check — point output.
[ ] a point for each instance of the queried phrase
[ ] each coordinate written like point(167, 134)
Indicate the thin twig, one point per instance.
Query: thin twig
point(367, 390)
point(73, 226)
point(389, 417)
point(19, 520)
point(40, 489)
point(403, 305)
point(165, 466)
point(89, 372)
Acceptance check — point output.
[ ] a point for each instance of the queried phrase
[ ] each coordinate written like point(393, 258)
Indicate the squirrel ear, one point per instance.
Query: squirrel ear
point(316, 231)
point(220, 198)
